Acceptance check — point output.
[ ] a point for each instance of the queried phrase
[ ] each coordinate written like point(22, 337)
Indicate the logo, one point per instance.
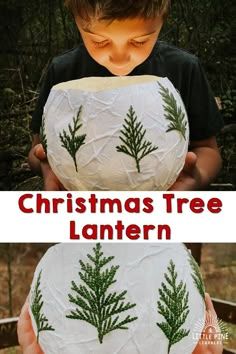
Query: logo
point(210, 331)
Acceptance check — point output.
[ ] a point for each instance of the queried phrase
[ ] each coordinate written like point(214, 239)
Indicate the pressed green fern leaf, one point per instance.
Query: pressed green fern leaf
point(173, 113)
point(133, 137)
point(94, 304)
point(36, 309)
point(43, 138)
point(197, 277)
point(71, 141)
point(173, 306)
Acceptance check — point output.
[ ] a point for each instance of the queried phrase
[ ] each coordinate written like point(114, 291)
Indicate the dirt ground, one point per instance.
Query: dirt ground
point(218, 270)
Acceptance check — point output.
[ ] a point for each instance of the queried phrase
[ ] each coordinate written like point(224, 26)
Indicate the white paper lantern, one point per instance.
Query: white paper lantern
point(116, 133)
point(119, 301)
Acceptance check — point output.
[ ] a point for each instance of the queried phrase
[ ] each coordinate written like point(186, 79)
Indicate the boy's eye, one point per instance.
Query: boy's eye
point(138, 44)
point(101, 43)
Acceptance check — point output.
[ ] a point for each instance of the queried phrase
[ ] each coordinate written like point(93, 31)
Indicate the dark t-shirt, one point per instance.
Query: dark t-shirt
point(182, 69)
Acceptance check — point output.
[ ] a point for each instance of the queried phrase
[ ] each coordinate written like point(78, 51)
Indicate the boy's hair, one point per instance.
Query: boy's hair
point(118, 9)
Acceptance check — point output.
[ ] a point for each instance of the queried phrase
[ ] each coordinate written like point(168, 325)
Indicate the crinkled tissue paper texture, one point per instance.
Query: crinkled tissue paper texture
point(105, 103)
point(141, 272)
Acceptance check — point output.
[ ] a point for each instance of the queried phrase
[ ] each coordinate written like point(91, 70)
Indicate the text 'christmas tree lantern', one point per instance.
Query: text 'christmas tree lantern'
point(115, 133)
point(110, 298)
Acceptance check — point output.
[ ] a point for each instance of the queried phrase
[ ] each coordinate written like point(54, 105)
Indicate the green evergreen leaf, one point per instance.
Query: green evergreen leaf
point(197, 277)
point(94, 305)
point(133, 139)
point(173, 113)
point(36, 309)
point(43, 138)
point(71, 141)
point(173, 306)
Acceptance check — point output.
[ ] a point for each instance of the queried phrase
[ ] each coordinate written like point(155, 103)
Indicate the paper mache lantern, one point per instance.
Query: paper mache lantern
point(115, 133)
point(114, 298)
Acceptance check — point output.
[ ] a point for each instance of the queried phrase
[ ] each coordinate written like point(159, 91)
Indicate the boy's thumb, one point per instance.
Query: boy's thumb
point(190, 162)
point(39, 152)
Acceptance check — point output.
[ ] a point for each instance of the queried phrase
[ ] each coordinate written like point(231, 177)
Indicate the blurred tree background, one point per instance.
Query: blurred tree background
point(32, 32)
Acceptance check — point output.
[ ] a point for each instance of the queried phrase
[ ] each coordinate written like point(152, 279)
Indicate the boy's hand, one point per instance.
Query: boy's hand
point(26, 336)
point(201, 167)
point(51, 182)
point(188, 178)
point(204, 347)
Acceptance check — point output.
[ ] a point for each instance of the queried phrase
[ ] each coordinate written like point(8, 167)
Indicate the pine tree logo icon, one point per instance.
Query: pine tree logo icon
point(210, 330)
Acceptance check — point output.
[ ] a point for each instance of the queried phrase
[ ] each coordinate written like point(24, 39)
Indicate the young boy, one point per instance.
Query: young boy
point(121, 38)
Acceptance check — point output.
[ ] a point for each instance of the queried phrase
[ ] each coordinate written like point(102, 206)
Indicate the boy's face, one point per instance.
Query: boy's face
point(120, 45)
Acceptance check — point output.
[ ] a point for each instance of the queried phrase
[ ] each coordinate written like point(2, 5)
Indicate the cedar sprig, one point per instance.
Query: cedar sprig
point(197, 277)
point(94, 305)
point(173, 113)
point(43, 138)
point(135, 144)
point(36, 309)
point(173, 306)
point(71, 141)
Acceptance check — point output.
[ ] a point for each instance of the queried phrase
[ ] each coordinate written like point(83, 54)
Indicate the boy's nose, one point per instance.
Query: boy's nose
point(119, 58)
